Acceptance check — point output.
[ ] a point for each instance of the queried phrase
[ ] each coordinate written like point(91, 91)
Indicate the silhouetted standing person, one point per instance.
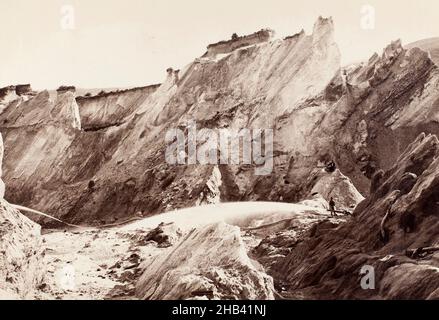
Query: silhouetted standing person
point(332, 207)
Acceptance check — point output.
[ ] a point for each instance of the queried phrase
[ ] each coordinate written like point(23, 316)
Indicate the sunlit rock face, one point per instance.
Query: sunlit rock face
point(224, 47)
point(109, 163)
point(339, 187)
point(209, 262)
point(14, 92)
point(398, 217)
point(110, 109)
point(122, 149)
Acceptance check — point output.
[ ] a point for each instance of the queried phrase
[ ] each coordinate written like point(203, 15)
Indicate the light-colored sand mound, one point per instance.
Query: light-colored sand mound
point(208, 262)
point(243, 214)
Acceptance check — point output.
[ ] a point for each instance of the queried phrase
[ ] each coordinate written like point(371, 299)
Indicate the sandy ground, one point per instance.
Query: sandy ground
point(91, 263)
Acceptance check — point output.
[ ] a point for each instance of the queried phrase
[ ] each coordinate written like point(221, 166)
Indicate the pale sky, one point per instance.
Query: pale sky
point(122, 43)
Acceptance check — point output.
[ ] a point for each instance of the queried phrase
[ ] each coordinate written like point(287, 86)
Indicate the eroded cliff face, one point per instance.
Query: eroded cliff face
point(111, 108)
point(109, 163)
point(14, 92)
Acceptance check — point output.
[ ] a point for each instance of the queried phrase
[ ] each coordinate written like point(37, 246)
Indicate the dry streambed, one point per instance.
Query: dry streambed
point(207, 260)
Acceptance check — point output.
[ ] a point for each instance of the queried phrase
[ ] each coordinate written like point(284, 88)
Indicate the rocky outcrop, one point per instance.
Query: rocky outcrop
point(399, 216)
point(11, 93)
point(23, 89)
point(388, 102)
point(64, 89)
point(236, 42)
point(42, 111)
point(4, 92)
point(21, 268)
point(111, 108)
point(165, 235)
point(429, 45)
point(339, 187)
point(21, 251)
point(17, 90)
point(209, 262)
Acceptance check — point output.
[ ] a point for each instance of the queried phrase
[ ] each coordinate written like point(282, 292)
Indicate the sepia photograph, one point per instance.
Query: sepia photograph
point(239, 152)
